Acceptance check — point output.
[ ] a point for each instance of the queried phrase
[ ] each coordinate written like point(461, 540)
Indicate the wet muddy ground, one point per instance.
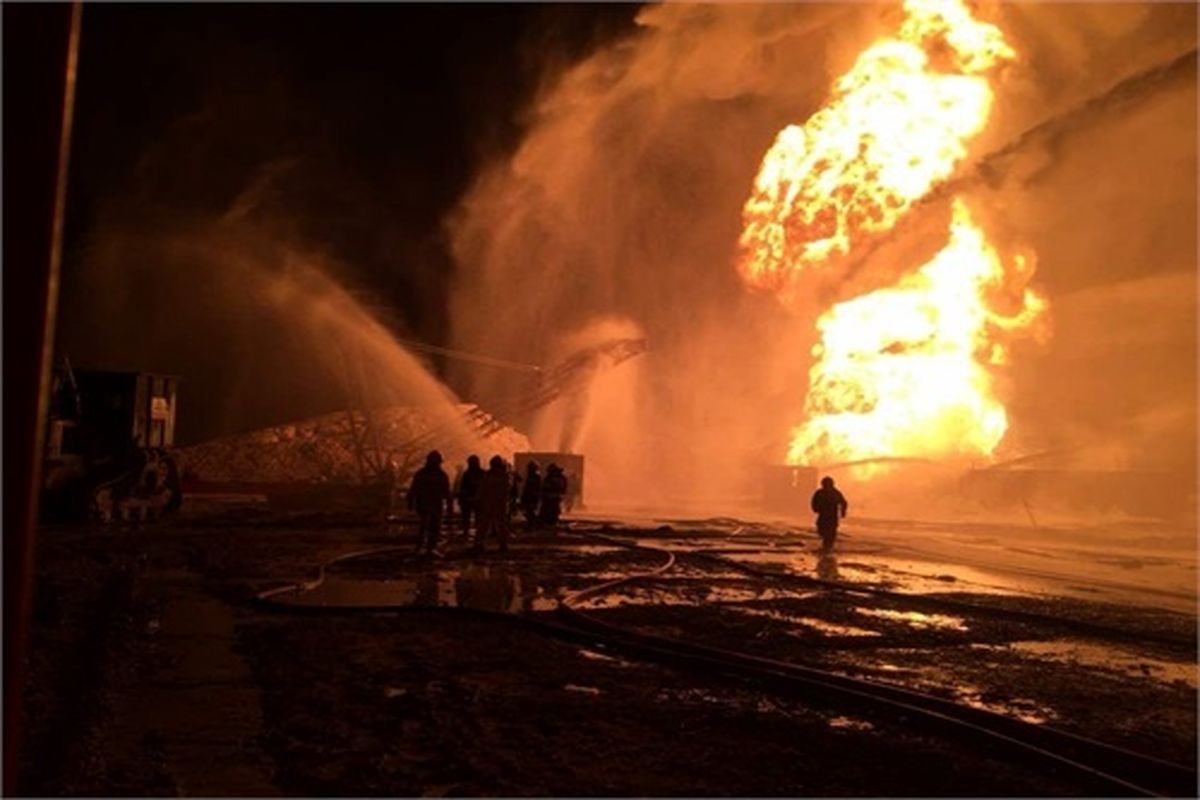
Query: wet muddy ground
point(154, 669)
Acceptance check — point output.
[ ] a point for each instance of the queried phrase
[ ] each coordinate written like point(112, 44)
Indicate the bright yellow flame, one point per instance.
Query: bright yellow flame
point(905, 371)
point(901, 371)
point(893, 129)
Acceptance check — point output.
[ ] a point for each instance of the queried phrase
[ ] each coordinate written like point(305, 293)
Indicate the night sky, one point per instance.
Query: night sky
point(377, 116)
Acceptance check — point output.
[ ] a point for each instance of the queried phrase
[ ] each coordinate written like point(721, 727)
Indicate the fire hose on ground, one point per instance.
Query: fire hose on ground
point(1122, 770)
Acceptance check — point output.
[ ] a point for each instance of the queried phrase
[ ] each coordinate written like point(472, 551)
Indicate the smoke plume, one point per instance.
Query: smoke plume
point(624, 200)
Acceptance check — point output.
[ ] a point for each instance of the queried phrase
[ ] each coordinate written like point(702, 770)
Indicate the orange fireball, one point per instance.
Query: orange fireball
point(905, 370)
point(893, 129)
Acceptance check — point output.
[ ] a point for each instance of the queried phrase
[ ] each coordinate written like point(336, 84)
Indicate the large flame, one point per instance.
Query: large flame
point(906, 370)
point(893, 128)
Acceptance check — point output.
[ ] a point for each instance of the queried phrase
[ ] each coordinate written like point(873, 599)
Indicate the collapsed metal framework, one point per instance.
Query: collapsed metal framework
point(386, 443)
point(573, 375)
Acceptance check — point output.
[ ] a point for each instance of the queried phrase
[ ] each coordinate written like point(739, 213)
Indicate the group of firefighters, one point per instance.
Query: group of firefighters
point(488, 498)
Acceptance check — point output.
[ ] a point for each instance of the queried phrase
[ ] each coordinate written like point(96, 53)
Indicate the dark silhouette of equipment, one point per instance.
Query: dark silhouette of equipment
point(572, 375)
point(107, 446)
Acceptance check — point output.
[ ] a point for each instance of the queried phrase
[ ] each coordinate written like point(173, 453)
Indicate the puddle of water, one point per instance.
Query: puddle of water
point(765, 706)
point(1021, 708)
point(1109, 658)
point(850, 723)
point(731, 594)
point(601, 577)
point(590, 549)
point(918, 577)
point(703, 596)
point(592, 655)
point(937, 681)
point(819, 625)
point(476, 586)
point(909, 575)
point(571, 687)
point(916, 619)
point(711, 573)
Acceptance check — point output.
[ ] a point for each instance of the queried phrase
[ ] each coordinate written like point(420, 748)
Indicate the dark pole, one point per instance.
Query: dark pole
point(41, 45)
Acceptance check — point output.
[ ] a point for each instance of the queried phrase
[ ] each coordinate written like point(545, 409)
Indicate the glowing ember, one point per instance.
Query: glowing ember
point(903, 371)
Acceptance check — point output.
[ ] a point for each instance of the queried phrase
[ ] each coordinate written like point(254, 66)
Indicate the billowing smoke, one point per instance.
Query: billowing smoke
point(624, 200)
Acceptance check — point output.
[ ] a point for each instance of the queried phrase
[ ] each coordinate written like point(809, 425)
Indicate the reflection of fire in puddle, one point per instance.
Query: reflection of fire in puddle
point(590, 549)
point(480, 587)
point(600, 577)
point(684, 571)
point(850, 723)
point(827, 628)
point(1022, 708)
point(916, 619)
point(1108, 658)
point(592, 655)
point(636, 596)
point(729, 594)
point(935, 680)
point(917, 577)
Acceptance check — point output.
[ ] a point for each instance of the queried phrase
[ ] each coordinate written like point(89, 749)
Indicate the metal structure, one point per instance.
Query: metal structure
point(107, 446)
point(363, 455)
point(572, 375)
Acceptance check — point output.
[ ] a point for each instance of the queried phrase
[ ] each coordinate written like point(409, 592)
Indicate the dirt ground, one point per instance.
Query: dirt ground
point(153, 671)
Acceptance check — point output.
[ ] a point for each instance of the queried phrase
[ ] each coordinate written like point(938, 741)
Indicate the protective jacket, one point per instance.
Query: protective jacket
point(493, 493)
point(555, 485)
point(429, 490)
point(830, 505)
point(468, 484)
point(532, 490)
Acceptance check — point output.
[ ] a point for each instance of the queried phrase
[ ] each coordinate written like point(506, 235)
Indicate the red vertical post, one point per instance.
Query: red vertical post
point(40, 52)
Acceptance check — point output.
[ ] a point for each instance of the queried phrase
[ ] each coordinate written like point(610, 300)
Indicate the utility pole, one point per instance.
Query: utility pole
point(40, 52)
